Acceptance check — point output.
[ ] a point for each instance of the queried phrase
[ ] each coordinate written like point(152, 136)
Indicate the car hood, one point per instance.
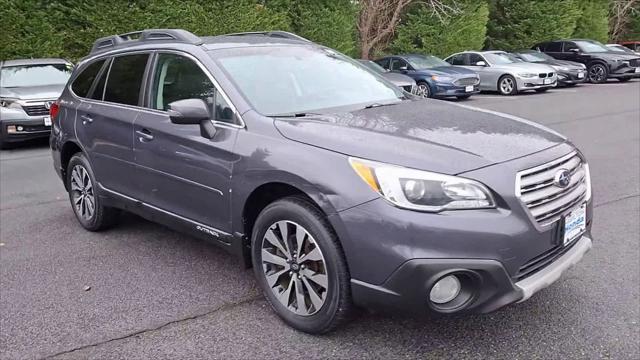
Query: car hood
point(565, 63)
point(399, 79)
point(525, 66)
point(447, 70)
point(423, 134)
point(613, 55)
point(32, 92)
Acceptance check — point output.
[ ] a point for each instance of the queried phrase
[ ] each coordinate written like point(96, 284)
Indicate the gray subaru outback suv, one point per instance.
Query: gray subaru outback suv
point(336, 186)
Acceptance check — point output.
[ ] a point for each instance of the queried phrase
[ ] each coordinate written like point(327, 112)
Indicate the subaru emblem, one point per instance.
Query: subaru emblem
point(562, 178)
point(47, 104)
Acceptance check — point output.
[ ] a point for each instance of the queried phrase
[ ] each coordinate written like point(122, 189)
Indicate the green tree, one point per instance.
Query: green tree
point(593, 22)
point(517, 24)
point(328, 22)
point(423, 32)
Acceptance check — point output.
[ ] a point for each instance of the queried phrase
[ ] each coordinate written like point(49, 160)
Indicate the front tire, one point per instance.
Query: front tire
point(423, 89)
point(85, 202)
point(507, 85)
point(598, 73)
point(300, 266)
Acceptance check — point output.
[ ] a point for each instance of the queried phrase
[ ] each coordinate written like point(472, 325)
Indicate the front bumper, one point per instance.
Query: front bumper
point(625, 72)
point(488, 284)
point(451, 90)
point(571, 77)
point(23, 129)
point(536, 83)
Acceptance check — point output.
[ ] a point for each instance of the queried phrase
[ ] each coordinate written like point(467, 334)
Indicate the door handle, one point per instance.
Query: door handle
point(86, 119)
point(144, 135)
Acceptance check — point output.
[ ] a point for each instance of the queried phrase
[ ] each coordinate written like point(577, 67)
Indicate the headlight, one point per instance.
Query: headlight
point(527, 75)
point(9, 103)
point(442, 78)
point(583, 66)
point(422, 190)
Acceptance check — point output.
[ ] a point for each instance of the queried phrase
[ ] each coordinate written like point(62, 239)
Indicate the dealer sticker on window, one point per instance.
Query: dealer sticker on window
point(575, 223)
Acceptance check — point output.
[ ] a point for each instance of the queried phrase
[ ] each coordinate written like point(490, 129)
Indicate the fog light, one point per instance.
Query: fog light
point(20, 128)
point(11, 129)
point(445, 290)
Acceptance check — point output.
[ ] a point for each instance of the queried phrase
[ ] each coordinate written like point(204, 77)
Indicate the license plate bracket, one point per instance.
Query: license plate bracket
point(468, 88)
point(47, 120)
point(574, 224)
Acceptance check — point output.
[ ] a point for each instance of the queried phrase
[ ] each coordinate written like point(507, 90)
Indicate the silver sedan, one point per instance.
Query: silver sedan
point(502, 72)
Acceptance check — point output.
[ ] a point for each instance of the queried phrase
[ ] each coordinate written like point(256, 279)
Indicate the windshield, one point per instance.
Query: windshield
point(35, 75)
point(373, 66)
point(279, 80)
point(535, 57)
point(591, 46)
point(619, 48)
point(426, 62)
point(500, 58)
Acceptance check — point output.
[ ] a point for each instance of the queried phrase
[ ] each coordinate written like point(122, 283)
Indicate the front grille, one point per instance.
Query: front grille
point(542, 75)
point(467, 81)
point(35, 110)
point(550, 74)
point(634, 62)
point(546, 201)
point(539, 262)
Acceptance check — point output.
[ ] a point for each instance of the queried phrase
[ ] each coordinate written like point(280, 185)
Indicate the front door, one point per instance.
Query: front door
point(487, 78)
point(180, 171)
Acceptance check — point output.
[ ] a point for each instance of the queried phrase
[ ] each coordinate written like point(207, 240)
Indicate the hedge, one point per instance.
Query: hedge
point(423, 32)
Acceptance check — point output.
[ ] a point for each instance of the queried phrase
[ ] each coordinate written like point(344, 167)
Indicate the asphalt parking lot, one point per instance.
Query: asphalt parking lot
point(155, 293)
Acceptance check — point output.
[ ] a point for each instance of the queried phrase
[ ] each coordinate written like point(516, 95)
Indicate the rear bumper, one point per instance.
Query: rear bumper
point(488, 283)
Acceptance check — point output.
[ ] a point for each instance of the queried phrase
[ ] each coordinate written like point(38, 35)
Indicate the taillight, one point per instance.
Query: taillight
point(53, 110)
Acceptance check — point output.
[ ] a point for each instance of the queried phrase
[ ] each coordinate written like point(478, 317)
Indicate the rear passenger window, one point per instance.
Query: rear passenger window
point(384, 63)
point(456, 60)
point(554, 47)
point(98, 91)
point(178, 78)
point(125, 79)
point(82, 84)
point(474, 59)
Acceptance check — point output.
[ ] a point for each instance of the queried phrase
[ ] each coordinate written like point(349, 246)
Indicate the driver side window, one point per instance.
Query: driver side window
point(398, 64)
point(570, 46)
point(177, 78)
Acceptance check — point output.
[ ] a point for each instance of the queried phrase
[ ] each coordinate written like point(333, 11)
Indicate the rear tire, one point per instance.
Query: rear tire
point(323, 278)
point(507, 85)
point(83, 195)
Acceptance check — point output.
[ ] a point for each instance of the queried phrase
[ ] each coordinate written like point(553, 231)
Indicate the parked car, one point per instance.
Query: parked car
point(336, 187)
point(501, 72)
point(434, 77)
point(569, 73)
point(601, 62)
point(27, 89)
point(622, 49)
point(633, 45)
point(402, 81)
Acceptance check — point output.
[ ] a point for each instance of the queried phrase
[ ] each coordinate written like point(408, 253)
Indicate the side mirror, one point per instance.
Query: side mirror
point(574, 50)
point(402, 68)
point(481, 63)
point(188, 111)
point(192, 112)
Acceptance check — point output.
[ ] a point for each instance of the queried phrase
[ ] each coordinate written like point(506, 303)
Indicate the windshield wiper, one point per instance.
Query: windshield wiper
point(295, 115)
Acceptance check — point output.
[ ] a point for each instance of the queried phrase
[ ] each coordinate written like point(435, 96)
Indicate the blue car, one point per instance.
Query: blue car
point(434, 77)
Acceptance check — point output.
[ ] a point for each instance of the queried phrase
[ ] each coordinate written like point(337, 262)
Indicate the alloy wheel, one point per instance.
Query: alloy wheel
point(422, 90)
point(294, 268)
point(597, 73)
point(82, 192)
point(506, 85)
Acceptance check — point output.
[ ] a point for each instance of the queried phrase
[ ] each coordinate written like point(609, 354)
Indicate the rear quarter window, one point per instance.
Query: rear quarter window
point(82, 84)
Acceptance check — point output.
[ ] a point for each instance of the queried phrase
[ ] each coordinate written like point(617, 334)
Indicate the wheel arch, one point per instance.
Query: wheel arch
point(67, 151)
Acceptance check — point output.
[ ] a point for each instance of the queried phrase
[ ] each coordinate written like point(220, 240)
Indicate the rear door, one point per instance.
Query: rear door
point(104, 122)
point(180, 171)
point(554, 49)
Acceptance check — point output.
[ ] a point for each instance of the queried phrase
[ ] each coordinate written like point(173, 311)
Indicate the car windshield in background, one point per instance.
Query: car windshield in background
point(591, 46)
point(426, 62)
point(500, 58)
point(35, 75)
point(535, 57)
point(283, 80)
point(373, 66)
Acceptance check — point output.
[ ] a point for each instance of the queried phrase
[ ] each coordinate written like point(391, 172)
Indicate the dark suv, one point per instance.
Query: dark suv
point(602, 63)
point(335, 185)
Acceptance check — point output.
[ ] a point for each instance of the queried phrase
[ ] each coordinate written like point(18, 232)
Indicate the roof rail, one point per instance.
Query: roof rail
point(274, 34)
point(149, 35)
